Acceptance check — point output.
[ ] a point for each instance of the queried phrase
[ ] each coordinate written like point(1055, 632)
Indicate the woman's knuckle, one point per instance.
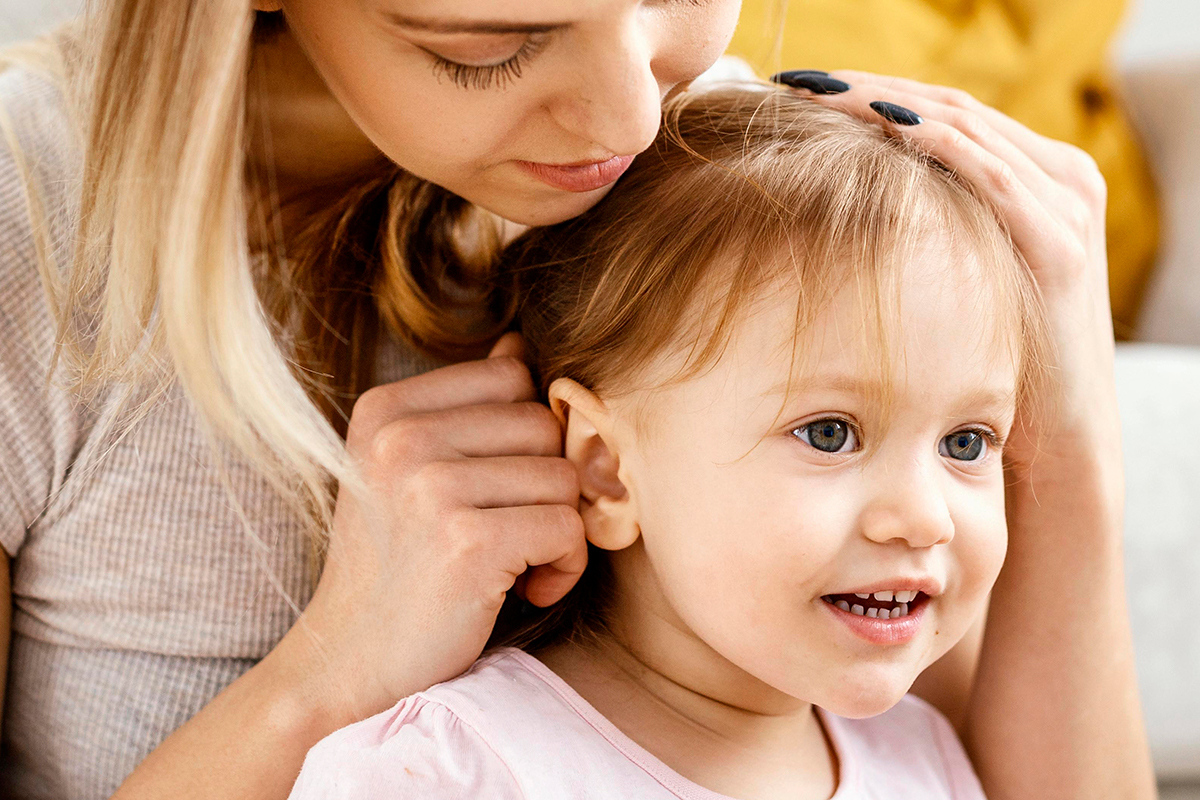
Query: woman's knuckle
point(957, 142)
point(1072, 259)
point(1084, 174)
point(435, 480)
point(1001, 178)
point(367, 403)
point(1078, 216)
point(462, 538)
point(959, 98)
point(972, 125)
point(395, 442)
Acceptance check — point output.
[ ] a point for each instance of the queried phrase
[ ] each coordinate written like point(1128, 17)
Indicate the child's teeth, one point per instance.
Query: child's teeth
point(903, 609)
point(905, 597)
point(885, 597)
point(863, 596)
point(872, 612)
point(843, 605)
point(857, 609)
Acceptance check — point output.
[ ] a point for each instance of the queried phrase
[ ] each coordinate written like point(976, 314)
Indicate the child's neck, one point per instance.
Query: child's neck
point(701, 716)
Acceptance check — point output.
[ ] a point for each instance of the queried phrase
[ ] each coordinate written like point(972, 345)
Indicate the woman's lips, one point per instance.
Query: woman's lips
point(586, 177)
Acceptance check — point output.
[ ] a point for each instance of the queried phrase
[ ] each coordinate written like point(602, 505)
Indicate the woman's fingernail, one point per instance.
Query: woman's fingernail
point(815, 81)
point(893, 113)
point(786, 75)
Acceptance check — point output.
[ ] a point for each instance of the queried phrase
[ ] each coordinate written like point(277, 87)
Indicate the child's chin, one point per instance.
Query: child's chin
point(858, 700)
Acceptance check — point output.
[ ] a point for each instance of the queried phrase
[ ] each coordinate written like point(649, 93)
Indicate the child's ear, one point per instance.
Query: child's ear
point(609, 516)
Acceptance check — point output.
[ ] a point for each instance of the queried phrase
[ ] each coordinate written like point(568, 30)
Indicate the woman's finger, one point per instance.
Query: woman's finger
point(967, 123)
point(1061, 161)
point(1057, 259)
point(501, 379)
point(501, 482)
point(506, 429)
point(548, 540)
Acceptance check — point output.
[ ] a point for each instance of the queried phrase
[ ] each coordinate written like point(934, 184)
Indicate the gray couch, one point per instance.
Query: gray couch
point(1159, 385)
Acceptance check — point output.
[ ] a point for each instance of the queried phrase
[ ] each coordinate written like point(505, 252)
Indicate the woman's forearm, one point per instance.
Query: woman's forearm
point(250, 741)
point(1055, 711)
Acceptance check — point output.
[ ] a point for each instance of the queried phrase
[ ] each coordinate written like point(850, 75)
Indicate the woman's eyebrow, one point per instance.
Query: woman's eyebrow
point(470, 25)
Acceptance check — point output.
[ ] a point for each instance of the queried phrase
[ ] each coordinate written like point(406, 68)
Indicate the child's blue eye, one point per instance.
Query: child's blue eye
point(964, 445)
point(828, 436)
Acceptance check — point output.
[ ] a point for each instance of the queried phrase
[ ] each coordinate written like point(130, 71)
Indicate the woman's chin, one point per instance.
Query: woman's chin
point(536, 208)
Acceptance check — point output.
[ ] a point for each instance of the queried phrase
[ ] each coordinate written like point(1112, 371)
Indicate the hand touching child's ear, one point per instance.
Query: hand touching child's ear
point(608, 509)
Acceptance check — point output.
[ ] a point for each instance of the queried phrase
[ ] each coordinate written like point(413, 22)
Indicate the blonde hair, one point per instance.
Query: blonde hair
point(272, 347)
point(746, 187)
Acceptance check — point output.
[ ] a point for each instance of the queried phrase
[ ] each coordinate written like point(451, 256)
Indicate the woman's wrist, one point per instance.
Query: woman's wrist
point(312, 694)
point(1075, 479)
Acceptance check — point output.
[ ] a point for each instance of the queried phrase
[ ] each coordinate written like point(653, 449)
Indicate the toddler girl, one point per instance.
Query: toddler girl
point(786, 352)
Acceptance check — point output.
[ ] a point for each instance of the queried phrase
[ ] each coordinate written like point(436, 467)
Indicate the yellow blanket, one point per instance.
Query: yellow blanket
point(1044, 62)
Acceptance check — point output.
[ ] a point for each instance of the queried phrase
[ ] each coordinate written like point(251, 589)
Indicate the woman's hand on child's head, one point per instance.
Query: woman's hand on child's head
point(1051, 196)
point(465, 489)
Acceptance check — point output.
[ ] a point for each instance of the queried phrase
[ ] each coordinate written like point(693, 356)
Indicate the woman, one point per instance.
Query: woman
point(228, 146)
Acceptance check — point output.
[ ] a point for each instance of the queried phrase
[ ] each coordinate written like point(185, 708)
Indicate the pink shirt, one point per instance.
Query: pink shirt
point(510, 728)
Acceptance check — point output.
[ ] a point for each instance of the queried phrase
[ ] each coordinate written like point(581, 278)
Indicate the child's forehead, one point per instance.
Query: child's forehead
point(939, 323)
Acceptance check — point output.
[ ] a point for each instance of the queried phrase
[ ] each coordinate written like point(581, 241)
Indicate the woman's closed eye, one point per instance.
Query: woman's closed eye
point(483, 68)
point(830, 435)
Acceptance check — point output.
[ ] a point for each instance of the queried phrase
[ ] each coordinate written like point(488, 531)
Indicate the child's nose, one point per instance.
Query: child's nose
point(909, 507)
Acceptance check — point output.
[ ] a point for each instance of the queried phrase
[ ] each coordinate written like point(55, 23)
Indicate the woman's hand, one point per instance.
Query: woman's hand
point(1053, 710)
point(465, 489)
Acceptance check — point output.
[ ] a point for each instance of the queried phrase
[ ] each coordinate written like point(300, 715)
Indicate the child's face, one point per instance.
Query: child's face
point(750, 527)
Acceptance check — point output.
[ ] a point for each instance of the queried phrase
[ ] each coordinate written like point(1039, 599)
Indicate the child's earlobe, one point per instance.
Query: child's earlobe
point(607, 508)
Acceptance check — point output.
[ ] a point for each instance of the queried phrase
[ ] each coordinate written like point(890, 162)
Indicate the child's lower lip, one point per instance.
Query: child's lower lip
point(881, 631)
point(579, 177)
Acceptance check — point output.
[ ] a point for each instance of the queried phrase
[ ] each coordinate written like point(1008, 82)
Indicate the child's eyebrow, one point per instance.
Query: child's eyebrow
point(997, 398)
point(841, 384)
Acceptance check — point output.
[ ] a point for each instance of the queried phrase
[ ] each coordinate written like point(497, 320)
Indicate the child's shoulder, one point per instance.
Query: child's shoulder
point(506, 728)
point(909, 751)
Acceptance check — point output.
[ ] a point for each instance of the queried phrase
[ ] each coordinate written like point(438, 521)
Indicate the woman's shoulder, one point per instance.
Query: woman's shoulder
point(908, 752)
point(39, 167)
point(37, 115)
point(37, 422)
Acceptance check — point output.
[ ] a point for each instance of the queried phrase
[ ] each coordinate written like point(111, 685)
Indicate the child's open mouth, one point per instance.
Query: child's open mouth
point(880, 605)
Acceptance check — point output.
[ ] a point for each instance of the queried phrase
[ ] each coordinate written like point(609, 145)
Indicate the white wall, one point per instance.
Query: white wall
point(19, 19)
point(1158, 30)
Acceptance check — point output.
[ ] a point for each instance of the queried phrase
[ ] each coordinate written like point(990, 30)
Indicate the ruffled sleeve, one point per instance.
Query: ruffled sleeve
point(417, 749)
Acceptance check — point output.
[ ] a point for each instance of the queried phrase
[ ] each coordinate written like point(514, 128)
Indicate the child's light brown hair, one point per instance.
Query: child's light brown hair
point(749, 188)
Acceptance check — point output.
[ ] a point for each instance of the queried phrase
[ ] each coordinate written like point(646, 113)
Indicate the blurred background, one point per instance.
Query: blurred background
point(1120, 78)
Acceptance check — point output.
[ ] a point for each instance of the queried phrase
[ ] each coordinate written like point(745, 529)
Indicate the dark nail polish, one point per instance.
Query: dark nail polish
point(898, 115)
point(816, 83)
point(788, 75)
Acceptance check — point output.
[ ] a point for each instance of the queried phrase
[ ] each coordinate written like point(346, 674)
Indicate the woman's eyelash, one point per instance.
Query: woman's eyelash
point(472, 77)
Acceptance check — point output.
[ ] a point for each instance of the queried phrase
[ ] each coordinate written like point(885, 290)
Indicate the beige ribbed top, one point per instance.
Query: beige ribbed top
point(137, 595)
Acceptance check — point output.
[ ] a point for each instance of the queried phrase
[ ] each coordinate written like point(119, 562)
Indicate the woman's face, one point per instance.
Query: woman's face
point(529, 108)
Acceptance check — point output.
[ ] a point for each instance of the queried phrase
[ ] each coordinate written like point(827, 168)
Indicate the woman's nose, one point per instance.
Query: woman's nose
point(616, 102)
point(909, 507)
